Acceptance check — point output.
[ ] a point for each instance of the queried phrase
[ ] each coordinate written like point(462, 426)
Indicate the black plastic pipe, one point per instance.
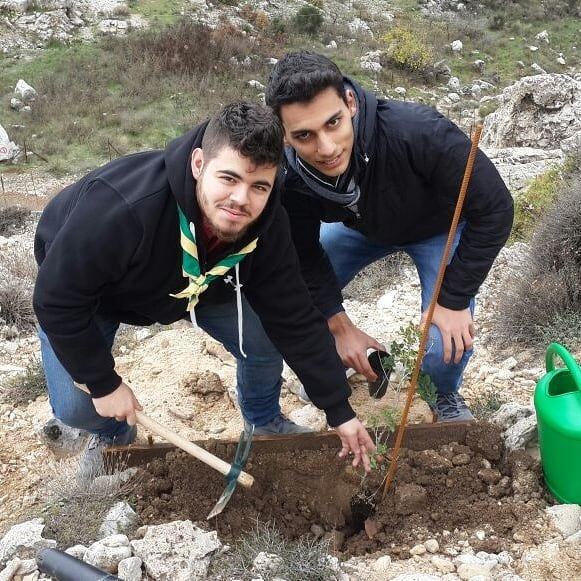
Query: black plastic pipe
point(64, 567)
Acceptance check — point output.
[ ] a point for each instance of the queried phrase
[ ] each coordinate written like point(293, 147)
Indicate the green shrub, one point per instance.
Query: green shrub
point(308, 20)
point(533, 202)
point(407, 49)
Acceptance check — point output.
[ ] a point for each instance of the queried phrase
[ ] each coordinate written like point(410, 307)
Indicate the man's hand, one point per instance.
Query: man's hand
point(457, 328)
point(121, 405)
point(352, 344)
point(355, 439)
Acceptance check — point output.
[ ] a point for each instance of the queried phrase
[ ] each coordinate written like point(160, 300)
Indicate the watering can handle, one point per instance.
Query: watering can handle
point(556, 349)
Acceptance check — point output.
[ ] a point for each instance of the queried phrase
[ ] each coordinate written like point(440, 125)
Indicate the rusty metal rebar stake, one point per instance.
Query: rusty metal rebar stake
point(428, 322)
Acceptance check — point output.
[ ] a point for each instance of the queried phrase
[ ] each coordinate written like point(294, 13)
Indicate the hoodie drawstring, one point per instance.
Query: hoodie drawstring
point(239, 310)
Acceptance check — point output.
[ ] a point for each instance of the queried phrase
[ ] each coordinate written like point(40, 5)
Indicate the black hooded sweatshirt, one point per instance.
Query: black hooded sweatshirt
point(409, 162)
point(109, 245)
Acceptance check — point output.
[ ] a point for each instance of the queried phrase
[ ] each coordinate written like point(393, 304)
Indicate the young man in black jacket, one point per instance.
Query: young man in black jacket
point(195, 230)
point(383, 176)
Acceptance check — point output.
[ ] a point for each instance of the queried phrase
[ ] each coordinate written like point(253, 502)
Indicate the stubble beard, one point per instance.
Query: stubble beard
point(226, 236)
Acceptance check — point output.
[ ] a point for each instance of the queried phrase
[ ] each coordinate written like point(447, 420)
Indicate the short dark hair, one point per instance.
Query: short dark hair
point(298, 77)
point(249, 128)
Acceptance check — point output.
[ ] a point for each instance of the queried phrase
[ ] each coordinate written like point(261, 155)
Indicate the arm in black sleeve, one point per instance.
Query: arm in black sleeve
point(91, 250)
point(488, 212)
point(297, 329)
point(318, 274)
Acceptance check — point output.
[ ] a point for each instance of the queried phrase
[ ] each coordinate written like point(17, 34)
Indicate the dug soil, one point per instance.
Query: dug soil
point(472, 485)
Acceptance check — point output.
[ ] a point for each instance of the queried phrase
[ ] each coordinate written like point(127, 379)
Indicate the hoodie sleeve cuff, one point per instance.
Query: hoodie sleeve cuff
point(104, 386)
point(339, 414)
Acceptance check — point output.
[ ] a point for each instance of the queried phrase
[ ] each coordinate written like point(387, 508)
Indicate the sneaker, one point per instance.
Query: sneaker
point(451, 407)
point(278, 426)
point(91, 462)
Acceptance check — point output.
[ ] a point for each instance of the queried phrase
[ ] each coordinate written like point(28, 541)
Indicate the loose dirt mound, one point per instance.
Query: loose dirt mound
point(471, 485)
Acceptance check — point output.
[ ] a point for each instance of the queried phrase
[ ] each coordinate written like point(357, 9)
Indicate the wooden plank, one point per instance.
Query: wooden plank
point(417, 437)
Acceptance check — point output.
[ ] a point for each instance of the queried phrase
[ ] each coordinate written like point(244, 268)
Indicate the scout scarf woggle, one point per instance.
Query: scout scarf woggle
point(199, 281)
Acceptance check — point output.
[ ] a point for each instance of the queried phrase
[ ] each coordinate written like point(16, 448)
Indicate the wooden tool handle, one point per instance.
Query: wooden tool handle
point(217, 463)
point(206, 457)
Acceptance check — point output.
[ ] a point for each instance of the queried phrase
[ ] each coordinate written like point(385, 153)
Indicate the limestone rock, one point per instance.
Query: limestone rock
point(178, 550)
point(538, 111)
point(24, 541)
point(120, 518)
point(130, 569)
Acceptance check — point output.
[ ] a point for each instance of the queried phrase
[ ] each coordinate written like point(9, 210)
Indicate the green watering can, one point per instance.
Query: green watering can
point(558, 407)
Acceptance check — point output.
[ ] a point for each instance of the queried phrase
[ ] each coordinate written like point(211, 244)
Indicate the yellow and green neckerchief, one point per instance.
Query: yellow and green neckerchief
point(199, 281)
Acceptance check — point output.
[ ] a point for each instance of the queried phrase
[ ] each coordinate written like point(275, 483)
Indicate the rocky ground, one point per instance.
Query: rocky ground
point(186, 381)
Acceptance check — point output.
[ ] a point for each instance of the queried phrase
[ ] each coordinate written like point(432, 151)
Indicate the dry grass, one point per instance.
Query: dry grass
point(543, 298)
point(77, 506)
point(17, 275)
point(13, 220)
point(303, 560)
point(24, 387)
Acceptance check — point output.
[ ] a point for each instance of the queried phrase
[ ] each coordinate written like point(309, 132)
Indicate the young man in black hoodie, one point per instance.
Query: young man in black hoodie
point(383, 176)
point(163, 235)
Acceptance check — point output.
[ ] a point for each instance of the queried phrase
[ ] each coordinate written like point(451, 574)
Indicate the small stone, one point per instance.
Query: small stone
point(489, 475)
point(480, 535)
point(566, 518)
point(418, 550)
point(382, 564)
point(432, 546)
point(443, 565)
point(317, 530)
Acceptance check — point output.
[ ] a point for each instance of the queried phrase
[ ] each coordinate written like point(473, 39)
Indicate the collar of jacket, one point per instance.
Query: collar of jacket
point(183, 187)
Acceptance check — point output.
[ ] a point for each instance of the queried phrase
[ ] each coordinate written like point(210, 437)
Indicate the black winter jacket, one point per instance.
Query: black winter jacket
point(410, 161)
point(109, 245)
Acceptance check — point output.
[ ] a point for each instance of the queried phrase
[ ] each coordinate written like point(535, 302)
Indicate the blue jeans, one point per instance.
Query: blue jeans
point(350, 251)
point(258, 375)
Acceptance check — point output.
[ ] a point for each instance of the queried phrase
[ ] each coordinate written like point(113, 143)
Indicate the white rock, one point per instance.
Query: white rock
point(509, 363)
point(309, 416)
point(456, 46)
point(454, 83)
point(130, 569)
point(77, 551)
point(10, 570)
point(256, 85)
point(177, 550)
point(521, 434)
point(120, 518)
point(538, 69)
point(107, 557)
point(25, 91)
point(8, 149)
point(454, 97)
point(332, 45)
point(142, 334)
point(442, 564)
point(533, 48)
point(416, 577)
point(566, 518)
point(400, 91)
point(510, 413)
point(574, 538)
point(382, 564)
point(561, 60)
point(418, 550)
point(266, 563)
point(543, 36)
point(24, 541)
point(432, 545)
